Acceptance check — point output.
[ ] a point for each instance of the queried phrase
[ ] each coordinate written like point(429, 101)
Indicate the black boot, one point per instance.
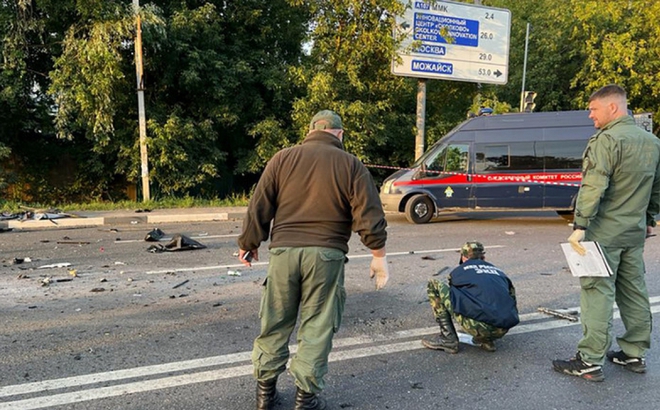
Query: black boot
point(447, 340)
point(267, 395)
point(308, 401)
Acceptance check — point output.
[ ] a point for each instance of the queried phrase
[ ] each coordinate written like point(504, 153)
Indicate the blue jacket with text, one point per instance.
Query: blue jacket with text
point(481, 291)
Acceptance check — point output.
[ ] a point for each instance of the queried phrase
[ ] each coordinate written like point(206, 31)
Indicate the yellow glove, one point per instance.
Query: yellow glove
point(379, 270)
point(576, 237)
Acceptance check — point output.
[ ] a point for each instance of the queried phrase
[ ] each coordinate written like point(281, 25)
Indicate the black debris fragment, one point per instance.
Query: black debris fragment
point(178, 243)
point(154, 235)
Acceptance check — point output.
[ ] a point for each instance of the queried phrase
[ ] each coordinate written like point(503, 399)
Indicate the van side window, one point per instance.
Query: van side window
point(492, 157)
point(564, 154)
point(453, 158)
point(513, 156)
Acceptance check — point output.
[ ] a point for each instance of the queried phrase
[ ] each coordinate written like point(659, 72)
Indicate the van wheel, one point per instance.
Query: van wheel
point(419, 209)
point(567, 215)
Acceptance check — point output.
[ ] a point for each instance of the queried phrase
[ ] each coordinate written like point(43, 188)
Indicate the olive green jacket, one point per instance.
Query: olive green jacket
point(620, 192)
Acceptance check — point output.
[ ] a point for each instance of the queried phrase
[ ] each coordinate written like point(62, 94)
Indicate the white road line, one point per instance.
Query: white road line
point(366, 255)
point(120, 390)
point(213, 375)
point(243, 370)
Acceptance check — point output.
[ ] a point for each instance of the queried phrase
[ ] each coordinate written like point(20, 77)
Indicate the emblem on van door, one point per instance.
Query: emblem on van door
point(449, 192)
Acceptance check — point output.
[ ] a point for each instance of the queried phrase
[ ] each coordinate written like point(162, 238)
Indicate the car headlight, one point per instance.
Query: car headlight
point(387, 187)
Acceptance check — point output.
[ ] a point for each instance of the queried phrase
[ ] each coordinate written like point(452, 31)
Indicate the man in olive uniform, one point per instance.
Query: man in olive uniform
point(616, 207)
point(479, 296)
point(315, 194)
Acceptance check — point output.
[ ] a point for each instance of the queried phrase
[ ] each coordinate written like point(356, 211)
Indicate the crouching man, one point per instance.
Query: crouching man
point(479, 296)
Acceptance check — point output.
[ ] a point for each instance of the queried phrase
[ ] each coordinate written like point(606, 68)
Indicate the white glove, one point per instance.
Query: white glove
point(380, 270)
point(576, 237)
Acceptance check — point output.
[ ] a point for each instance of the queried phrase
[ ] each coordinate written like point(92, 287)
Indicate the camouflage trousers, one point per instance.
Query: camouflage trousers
point(441, 304)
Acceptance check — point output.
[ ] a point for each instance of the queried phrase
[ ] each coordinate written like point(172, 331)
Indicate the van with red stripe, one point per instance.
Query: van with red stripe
point(528, 161)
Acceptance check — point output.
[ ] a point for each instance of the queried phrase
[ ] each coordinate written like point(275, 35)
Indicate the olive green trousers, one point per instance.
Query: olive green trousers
point(626, 287)
point(308, 281)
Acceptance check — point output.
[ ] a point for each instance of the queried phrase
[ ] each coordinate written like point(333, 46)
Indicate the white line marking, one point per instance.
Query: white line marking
point(366, 255)
point(120, 390)
point(213, 375)
point(200, 377)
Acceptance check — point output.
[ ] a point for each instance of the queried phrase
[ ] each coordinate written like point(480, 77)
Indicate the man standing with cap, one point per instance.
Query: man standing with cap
point(315, 194)
point(479, 296)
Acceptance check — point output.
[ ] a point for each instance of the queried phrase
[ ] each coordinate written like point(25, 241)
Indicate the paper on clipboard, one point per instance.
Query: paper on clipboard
point(591, 264)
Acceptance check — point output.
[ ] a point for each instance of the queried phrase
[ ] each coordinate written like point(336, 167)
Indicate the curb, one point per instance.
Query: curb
point(120, 220)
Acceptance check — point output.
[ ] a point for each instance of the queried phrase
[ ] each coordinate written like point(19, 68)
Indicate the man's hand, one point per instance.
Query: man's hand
point(246, 257)
point(379, 270)
point(576, 237)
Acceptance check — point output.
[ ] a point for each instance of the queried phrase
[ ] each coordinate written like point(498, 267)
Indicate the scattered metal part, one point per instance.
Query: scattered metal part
point(55, 265)
point(441, 271)
point(180, 284)
point(563, 315)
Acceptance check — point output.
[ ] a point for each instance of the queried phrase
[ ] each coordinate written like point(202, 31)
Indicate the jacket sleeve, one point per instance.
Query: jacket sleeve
point(261, 209)
point(599, 162)
point(368, 216)
point(654, 202)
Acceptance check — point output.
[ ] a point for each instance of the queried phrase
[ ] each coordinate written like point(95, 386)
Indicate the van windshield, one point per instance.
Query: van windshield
point(445, 158)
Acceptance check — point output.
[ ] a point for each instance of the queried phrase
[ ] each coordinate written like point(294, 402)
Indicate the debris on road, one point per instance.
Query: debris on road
point(55, 265)
point(178, 243)
point(73, 242)
point(154, 235)
point(234, 273)
point(180, 284)
point(568, 315)
point(96, 290)
point(441, 271)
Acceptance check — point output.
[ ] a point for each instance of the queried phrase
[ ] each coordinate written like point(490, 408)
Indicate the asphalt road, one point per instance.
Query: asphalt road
point(173, 330)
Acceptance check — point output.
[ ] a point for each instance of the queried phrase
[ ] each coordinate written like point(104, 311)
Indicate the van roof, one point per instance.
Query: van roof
point(529, 120)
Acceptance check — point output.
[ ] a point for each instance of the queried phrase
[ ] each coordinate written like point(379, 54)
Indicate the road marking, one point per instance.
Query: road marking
point(365, 255)
point(237, 371)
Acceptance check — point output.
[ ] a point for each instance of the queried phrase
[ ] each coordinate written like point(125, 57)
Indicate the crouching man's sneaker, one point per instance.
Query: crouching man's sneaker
point(634, 364)
point(575, 366)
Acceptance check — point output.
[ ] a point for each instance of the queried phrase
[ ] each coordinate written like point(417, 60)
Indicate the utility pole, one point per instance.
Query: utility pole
point(142, 120)
point(522, 92)
point(421, 117)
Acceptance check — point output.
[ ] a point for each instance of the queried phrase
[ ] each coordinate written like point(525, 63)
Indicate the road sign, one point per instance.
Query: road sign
point(453, 41)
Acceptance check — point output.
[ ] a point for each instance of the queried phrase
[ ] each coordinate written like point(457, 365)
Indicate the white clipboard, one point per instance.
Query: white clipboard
point(593, 263)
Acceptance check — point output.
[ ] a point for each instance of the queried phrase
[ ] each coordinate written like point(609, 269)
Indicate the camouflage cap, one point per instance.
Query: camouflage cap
point(325, 120)
point(473, 250)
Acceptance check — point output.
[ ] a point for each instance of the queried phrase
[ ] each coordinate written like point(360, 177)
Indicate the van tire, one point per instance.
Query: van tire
point(419, 209)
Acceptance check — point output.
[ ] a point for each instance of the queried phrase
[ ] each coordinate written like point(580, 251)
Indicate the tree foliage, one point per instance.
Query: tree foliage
point(227, 84)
